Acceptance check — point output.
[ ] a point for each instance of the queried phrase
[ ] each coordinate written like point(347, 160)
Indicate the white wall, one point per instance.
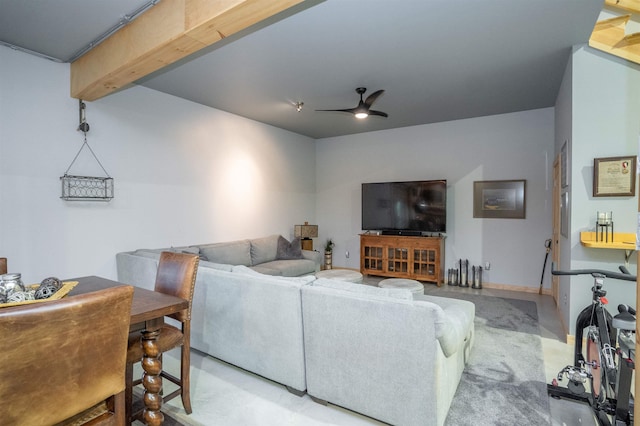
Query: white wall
point(563, 135)
point(184, 174)
point(605, 123)
point(511, 146)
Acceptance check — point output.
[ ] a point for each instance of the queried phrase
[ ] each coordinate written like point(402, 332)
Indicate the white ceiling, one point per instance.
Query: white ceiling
point(437, 60)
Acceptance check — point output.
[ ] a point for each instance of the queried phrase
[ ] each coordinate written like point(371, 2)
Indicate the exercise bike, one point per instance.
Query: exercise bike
point(607, 358)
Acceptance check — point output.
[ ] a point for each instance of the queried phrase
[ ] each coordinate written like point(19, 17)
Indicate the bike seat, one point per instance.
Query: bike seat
point(624, 321)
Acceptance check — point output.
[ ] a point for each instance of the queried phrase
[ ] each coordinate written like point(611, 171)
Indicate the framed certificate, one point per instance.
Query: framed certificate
point(614, 177)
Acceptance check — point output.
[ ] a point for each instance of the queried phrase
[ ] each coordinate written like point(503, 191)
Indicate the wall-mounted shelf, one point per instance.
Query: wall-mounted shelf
point(621, 241)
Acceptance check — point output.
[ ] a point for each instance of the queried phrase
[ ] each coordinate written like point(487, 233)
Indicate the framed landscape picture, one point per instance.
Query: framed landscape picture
point(499, 199)
point(614, 177)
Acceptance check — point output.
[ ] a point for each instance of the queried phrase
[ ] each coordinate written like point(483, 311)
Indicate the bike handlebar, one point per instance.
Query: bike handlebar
point(626, 308)
point(624, 270)
point(607, 274)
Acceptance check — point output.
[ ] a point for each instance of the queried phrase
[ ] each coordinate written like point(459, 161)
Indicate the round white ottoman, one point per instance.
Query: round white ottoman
point(414, 286)
point(341, 274)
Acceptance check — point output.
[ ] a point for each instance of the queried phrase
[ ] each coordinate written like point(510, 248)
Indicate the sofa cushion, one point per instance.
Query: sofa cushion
point(397, 293)
point(267, 271)
point(292, 268)
point(289, 250)
point(240, 269)
point(232, 253)
point(148, 253)
point(264, 249)
point(188, 250)
point(194, 250)
point(218, 266)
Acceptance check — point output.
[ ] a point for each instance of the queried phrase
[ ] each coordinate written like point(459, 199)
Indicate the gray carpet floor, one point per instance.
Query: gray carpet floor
point(504, 381)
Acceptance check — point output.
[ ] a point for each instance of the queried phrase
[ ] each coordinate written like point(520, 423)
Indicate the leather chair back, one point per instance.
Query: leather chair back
point(60, 358)
point(177, 276)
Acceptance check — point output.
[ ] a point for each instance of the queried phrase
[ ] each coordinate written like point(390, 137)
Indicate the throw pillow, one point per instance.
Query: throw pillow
point(231, 253)
point(289, 250)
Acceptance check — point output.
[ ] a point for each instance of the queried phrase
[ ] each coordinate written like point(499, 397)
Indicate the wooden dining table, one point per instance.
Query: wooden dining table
point(148, 310)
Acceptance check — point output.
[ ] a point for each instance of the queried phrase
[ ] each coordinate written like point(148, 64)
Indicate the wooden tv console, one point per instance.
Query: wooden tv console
point(417, 258)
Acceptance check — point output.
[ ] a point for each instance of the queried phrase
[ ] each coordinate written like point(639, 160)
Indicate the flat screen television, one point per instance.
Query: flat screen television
point(405, 207)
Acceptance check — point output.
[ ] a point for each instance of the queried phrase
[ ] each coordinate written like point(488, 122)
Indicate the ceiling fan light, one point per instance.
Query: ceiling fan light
point(361, 115)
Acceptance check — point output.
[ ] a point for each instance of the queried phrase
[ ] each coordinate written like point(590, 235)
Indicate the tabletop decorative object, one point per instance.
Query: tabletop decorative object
point(49, 289)
point(306, 232)
point(11, 282)
point(604, 226)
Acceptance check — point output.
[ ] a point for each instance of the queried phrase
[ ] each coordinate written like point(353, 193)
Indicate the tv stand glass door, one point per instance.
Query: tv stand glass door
point(398, 260)
point(371, 258)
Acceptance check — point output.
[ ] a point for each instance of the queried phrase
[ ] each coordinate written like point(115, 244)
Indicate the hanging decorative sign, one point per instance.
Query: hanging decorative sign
point(86, 188)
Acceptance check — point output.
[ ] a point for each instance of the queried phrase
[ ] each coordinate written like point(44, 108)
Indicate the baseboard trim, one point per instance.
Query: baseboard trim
point(545, 291)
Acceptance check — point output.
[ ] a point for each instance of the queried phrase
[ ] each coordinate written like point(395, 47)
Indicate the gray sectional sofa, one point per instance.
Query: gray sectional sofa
point(372, 350)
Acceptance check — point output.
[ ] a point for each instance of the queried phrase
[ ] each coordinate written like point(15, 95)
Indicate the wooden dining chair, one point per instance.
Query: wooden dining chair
point(176, 276)
point(63, 361)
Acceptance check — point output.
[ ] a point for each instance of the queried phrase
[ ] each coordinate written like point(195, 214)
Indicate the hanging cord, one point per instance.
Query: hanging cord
point(83, 126)
point(92, 153)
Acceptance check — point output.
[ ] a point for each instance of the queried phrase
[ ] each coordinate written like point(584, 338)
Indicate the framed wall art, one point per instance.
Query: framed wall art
point(564, 163)
point(499, 199)
point(614, 176)
point(564, 215)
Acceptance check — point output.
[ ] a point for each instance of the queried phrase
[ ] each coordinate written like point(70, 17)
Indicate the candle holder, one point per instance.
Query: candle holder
point(604, 226)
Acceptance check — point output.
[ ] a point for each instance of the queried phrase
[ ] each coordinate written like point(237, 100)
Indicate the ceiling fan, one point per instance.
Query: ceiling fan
point(363, 109)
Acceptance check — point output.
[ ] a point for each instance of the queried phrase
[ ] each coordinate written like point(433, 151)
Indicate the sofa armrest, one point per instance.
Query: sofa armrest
point(316, 256)
point(453, 322)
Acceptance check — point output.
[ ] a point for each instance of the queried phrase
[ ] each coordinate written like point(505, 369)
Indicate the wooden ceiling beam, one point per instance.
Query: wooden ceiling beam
point(629, 5)
point(609, 36)
point(166, 33)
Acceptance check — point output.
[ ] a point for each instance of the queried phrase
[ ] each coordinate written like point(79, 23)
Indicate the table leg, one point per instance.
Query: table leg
point(151, 379)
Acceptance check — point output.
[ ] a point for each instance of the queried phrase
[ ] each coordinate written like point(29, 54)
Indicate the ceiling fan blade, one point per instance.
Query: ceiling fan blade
point(372, 98)
point(351, 110)
point(380, 113)
point(363, 106)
